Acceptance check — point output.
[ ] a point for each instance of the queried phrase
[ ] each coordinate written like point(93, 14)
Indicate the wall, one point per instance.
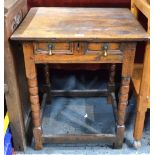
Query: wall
point(80, 3)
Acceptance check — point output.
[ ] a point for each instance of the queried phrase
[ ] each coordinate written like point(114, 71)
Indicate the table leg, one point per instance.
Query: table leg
point(47, 83)
point(111, 83)
point(123, 100)
point(143, 98)
point(127, 68)
point(33, 92)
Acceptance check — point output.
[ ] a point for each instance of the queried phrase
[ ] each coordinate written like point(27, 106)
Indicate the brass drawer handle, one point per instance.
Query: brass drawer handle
point(50, 47)
point(104, 50)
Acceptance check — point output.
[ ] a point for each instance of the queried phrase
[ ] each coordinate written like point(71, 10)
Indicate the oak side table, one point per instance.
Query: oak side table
point(80, 35)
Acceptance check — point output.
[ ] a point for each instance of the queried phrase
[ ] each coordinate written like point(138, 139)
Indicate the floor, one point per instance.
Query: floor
point(86, 115)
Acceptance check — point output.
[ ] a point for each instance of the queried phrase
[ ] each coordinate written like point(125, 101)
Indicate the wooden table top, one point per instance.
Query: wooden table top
point(95, 24)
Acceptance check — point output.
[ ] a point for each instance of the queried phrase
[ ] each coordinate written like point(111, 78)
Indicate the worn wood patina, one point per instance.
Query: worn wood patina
point(106, 24)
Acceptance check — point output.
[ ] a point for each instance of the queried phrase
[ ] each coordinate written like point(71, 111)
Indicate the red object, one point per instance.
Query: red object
point(79, 3)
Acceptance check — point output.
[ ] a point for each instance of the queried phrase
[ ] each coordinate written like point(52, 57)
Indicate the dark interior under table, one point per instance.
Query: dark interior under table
point(77, 116)
point(90, 115)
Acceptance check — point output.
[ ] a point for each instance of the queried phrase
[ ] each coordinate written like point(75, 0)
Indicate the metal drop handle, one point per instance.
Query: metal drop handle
point(105, 48)
point(50, 47)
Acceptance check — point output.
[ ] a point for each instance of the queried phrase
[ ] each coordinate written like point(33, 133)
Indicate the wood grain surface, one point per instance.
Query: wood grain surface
point(106, 24)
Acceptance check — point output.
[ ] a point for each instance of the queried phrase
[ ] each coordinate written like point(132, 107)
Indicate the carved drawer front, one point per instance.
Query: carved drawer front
point(103, 49)
point(49, 48)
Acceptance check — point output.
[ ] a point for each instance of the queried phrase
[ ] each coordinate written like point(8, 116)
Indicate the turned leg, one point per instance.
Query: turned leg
point(47, 84)
point(127, 68)
point(111, 83)
point(33, 92)
point(123, 100)
point(35, 108)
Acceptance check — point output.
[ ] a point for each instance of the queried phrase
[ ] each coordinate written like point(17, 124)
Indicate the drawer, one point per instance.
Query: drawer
point(103, 49)
point(76, 48)
point(50, 48)
point(78, 52)
point(100, 46)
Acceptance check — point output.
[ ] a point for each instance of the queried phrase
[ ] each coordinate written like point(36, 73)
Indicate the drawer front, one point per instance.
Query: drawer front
point(77, 52)
point(76, 48)
point(50, 48)
point(103, 49)
point(96, 47)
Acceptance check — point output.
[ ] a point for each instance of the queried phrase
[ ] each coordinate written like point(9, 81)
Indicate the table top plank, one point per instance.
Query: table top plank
point(106, 24)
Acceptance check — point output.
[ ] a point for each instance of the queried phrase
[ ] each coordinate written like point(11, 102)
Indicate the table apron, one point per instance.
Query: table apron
point(77, 59)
